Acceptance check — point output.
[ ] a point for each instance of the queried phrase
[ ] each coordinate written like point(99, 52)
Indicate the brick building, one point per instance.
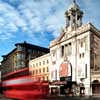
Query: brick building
point(19, 57)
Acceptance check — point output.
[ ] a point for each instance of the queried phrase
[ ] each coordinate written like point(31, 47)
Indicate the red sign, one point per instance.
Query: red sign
point(65, 69)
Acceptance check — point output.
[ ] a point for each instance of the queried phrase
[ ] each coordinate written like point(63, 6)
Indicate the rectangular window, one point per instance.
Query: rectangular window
point(81, 44)
point(53, 62)
point(80, 55)
point(47, 61)
point(18, 63)
point(83, 55)
point(62, 51)
point(68, 49)
point(19, 56)
point(47, 69)
point(43, 62)
point(29, 50)
point(23, 56)
point(36, 71)
point(19, 48)
point(37, 64)
point(55, 74)
point(43, 69)
point(33, 72)
point(86, 70)
point(23, 64)
point(47, 78)
point(52, 74)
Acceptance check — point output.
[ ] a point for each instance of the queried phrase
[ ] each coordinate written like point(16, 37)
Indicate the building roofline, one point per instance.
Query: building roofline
point(47, 50)
point(33, 46)
point(43, 56)
point(9, 53)
point(86, 27)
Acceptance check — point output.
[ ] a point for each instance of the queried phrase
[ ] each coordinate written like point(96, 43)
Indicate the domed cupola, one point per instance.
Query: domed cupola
point(73, 16)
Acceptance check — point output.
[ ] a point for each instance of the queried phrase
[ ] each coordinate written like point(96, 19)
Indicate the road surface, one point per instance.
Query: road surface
point(59, 98)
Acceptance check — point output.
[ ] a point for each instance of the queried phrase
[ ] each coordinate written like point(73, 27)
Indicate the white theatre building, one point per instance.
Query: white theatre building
point(75, 57)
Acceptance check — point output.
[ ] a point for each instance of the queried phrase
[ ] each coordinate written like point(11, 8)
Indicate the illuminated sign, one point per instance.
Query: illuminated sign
point(65, 69)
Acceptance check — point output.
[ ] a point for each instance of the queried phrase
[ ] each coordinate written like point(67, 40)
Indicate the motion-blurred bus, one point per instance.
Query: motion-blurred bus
point(19, 85)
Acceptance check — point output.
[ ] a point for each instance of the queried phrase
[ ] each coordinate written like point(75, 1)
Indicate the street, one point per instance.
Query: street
point(60, 98)
point(72, 98)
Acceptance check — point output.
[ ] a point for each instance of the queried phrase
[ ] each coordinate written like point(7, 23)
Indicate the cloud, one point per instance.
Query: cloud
point(31, 17)
point(44, 14)
point(9, 21)
point(38, 21)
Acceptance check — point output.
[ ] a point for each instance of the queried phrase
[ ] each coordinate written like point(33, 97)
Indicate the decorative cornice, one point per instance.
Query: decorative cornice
point(38, 58)
point(82, 29)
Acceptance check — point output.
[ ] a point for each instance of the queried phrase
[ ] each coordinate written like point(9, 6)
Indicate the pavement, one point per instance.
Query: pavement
point(59, 98)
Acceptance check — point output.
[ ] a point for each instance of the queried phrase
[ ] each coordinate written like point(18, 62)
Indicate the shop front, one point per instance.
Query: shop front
point(55, 87)
point(96, 88)
point(65, 86)
point(66, 75)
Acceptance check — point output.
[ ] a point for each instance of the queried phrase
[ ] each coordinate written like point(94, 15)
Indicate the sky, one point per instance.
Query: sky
point(38, 21)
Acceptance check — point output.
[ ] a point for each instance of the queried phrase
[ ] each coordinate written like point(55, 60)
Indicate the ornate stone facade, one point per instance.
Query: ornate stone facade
point(80, 45)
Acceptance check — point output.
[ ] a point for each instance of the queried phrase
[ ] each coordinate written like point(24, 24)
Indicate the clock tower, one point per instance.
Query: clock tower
point(73, 16)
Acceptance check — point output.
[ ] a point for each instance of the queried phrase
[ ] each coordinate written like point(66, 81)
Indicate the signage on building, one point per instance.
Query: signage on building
point(65, 69)
point(82, 71)
point(69, 78)
point(58, 83)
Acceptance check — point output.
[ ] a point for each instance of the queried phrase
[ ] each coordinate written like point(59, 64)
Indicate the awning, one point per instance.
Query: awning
point(58, 83)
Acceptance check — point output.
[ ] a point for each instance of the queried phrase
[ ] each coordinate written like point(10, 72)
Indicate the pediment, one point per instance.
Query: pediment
point(61, 37)
point(64, 34)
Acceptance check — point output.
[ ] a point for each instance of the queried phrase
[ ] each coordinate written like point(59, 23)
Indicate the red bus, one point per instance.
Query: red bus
point(24, 87)
point(18, 73)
